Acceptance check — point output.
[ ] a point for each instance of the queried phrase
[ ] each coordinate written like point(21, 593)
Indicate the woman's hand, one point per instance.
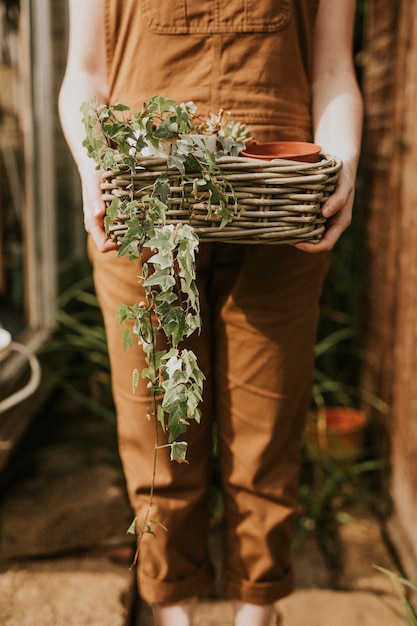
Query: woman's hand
point(85, 77)
point(94, 212)
point(338, 211)
point(337, 111)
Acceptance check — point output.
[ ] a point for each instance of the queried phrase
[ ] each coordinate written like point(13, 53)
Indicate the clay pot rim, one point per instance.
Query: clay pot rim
point(291, 150)
point(343, 419)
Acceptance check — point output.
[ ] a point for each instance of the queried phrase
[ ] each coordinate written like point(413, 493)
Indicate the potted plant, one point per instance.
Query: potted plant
point(168, 146)
point(114, 139)
point(340, 431)
point(338, 422)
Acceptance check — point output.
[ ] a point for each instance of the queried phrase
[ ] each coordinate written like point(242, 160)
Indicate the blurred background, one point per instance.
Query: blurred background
point(367, 341)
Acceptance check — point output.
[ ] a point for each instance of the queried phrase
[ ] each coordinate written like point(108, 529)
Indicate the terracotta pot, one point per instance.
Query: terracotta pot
point(291, 150)
point(339, 431)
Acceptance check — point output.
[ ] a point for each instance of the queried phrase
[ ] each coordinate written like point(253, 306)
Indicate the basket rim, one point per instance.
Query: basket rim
point(277, 201)
point(327, 163)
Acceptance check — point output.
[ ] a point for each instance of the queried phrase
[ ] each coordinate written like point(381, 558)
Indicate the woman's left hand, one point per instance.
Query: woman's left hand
point(338, 211)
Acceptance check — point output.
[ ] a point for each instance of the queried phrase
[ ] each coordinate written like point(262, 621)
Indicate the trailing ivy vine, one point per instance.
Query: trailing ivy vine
point(171, 308)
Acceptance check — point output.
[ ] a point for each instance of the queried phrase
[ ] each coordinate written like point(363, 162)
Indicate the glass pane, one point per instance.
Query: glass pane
point(11, 172)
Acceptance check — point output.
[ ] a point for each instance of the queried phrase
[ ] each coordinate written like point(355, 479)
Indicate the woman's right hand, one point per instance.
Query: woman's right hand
point(94, 211)
point(86, 77)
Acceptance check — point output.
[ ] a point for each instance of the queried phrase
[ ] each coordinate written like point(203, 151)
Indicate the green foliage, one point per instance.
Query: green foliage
point(339, 347)
point(114, 132)
point(80, 348)
point(328, 486)
point(104, 128)
point(327, 489)
point(399, 582)
point(170, 311)
point(114, 139)
point(337, 371)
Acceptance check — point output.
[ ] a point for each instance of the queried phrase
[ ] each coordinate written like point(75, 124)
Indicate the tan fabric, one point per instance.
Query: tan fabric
point(259, 307)
point(259, 303)
point(252, 57)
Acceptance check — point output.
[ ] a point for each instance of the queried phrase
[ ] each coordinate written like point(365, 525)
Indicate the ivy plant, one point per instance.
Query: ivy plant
point(115, 138)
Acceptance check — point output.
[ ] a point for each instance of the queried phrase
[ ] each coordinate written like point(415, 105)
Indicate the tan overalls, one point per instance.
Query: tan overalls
point(259, 303)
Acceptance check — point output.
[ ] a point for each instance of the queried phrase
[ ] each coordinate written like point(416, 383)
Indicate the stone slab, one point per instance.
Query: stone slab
point(310, 568)
point(213, 613)
point(312, 607)
point(318, 607)
point(70, 592)
point(406, 555)
point(363, 549)
point(64, 512)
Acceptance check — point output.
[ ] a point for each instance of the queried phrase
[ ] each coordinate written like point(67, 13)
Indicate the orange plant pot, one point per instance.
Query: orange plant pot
point(338, 431)
point(291, 150)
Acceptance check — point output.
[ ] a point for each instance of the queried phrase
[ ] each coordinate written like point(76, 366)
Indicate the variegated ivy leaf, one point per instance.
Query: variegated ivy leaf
point(135, 379)
point(179, 451)
point(132, 528)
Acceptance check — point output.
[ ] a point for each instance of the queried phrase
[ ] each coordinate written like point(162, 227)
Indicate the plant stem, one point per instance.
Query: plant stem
point(144, 527)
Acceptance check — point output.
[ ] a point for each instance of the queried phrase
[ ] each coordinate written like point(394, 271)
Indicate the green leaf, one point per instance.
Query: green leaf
point(164, 281)
point(174, 395)
point(163, 239)
point(162, 259)
point(173, 364)
point(162, 188)
point(135, 379)
point(164, 298)
point(178, 161)
point(148, 530)
point(119, 106)
point(410, 614)
point(156, 523)
point(159, 104)
point(394, 576)
point(179, 451)
point(132, 528)
point(190, 360)
point(166, 130)
point(160, 414)
point(176, 427)
point(127, 338)
point(173, 323)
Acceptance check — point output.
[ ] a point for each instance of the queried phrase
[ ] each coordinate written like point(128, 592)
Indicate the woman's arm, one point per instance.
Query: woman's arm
point(337, 111)
point(85, 77)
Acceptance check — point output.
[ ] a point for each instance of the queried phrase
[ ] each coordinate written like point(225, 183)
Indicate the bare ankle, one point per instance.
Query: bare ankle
point(252, 614)
point(179, 614)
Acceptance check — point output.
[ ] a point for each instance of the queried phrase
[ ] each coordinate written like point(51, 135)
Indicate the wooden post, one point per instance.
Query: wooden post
point(390, 161)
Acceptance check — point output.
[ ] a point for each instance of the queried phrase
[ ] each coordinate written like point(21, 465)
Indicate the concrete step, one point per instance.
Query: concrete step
point(66, 592)
point(65, 558)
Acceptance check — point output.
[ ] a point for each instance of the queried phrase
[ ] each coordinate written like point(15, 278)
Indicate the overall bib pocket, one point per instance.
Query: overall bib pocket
point(189, 17)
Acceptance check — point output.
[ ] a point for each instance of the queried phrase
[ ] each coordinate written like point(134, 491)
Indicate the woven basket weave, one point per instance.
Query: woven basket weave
point(278, 201)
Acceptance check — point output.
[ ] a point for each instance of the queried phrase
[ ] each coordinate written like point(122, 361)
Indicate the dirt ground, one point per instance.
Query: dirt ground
point(65, 555)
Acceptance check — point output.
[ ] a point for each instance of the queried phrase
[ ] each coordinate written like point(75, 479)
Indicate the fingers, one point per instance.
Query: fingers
point(338, 211)
point(100, 238)
point(333, 231)
point(94, 212)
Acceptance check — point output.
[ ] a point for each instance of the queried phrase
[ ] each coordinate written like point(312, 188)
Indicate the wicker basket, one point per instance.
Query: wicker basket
point(279, 201)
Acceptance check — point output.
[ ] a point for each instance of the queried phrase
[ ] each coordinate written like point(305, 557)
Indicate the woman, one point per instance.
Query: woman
point(284, 67)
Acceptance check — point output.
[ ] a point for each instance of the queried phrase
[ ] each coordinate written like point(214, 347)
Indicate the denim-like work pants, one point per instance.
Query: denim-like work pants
point(259, 309)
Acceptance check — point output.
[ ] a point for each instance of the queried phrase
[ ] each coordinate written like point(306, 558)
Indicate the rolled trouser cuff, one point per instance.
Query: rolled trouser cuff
point(154, 591)
point(259, 593)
